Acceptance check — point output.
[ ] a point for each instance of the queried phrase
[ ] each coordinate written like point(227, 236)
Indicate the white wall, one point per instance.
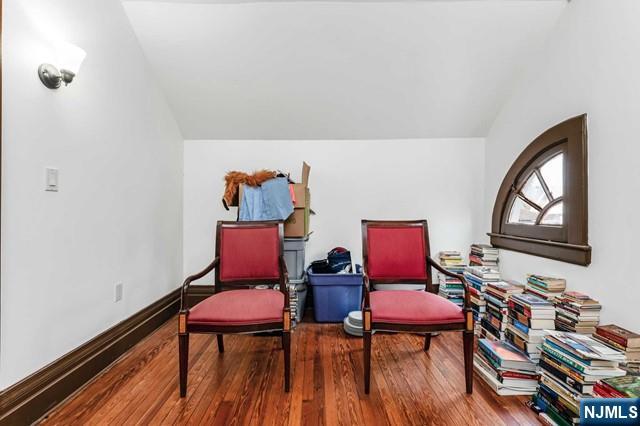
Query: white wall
point(436, 179)
point(118, 214)
point(589, 64)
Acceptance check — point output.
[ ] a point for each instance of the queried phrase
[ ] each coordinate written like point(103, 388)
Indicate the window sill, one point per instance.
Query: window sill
point(564, 252)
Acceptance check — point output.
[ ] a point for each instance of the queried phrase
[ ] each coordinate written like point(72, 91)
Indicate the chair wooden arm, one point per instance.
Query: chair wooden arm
point(284, 282)
point(284, 288)
point(366, 306)
point(365, 284)
point(194, 277)
point(465, 284)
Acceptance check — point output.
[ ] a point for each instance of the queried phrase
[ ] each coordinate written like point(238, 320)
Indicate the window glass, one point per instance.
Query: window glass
point(534, 191)
point(553, 216)
point(522, 212)
point(551, 172)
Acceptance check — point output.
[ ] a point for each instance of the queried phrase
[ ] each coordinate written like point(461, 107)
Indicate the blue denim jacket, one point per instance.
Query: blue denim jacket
point(270, 201)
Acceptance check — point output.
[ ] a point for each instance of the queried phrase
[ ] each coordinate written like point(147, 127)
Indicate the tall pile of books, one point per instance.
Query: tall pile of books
point(478, 278)
point(546, 287)
point(483, 255)
point(505, 369)
point(529, 317)
point(496, 319)
point(623, 340)
point(451, 288)
point(618, 387)
point(576, 312)
point(570, 366)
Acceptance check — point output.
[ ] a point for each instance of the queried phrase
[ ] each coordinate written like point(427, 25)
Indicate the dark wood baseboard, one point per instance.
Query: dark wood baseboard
point(197, 293)
point(31, 398)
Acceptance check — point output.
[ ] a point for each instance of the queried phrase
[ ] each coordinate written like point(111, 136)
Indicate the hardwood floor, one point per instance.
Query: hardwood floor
point(245, 384)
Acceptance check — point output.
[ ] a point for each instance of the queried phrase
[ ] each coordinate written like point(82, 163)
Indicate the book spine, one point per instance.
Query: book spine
point(516, 375)
point(491, 355)
point(484, 322)
point(560, 356)
point(598, 390)
point(615, 393)
point(612, 336)
point(495, 312)
point(519, 309)
point(562, 377)
point(517, 324)
point(561, 412)
point(607, 391)
point(535, 281)
point(610, 342)
point(516, 341)
point(495, 321)
point(554, 362)
point(521, 318)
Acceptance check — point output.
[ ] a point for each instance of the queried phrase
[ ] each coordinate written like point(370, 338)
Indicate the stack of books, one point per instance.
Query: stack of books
point(497, 295)
point(449, 258)
point(478, 278)
point(505, 369)
point(451, 288)
point(546, 287)
point(570, 366)
point(576, 312)
point(618, 387)
point(529, 317)
point(483, 255)
point(623, 340)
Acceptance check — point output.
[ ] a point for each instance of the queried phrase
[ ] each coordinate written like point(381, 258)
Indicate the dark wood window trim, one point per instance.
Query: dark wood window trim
point(568, 242)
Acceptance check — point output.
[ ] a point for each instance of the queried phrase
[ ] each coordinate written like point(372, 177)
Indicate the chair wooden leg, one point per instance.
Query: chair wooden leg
point(467, 337)
point(282, 340)
point(367, 360)
point(286, 341)
point(220, 343)
point(183, 350)
point(427, 342)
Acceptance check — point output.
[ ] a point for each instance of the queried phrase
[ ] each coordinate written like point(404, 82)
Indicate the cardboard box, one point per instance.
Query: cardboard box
point(297, 225)
point(301, 189)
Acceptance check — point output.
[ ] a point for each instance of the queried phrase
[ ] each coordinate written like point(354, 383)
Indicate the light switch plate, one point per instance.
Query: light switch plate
point(51, 183)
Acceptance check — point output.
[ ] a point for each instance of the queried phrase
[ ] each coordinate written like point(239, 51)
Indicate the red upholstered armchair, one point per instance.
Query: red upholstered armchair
point(397, 252)
point(247, 254)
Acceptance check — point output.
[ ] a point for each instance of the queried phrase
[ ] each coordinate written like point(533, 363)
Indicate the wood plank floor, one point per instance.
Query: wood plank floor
point(245, 384)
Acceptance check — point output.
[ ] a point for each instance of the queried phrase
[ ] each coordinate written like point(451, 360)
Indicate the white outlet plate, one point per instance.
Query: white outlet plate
point(119, 292)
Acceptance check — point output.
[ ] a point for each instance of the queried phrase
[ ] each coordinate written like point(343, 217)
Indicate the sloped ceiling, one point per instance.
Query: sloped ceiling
point(338, 69)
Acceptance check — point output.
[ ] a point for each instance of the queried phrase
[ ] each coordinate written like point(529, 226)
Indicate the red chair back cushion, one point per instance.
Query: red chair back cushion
point(248, 253)
point(396, 252)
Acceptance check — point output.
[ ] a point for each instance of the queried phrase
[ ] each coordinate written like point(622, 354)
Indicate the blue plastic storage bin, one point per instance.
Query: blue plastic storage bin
point(335, 295)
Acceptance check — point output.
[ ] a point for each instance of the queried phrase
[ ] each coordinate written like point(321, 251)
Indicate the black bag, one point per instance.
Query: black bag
point(321, 267)
point(339, 259)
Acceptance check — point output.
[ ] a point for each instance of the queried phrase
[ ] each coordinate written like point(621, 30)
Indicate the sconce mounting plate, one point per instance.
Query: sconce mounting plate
point(49, 76)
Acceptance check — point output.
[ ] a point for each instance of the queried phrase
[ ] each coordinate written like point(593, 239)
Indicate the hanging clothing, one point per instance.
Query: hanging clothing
point(269, 201)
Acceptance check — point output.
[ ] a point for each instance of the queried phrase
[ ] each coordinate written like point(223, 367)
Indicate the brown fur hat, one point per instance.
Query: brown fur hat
point(233, 180)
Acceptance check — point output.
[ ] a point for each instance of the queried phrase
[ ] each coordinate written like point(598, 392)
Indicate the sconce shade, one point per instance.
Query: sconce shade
point(70, 57)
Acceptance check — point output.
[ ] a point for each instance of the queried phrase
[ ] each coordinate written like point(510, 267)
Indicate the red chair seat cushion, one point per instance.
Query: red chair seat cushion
point(239, 307)
point(413, 307)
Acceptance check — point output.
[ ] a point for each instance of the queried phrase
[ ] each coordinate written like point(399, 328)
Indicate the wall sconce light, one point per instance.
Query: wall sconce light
point(70, 58)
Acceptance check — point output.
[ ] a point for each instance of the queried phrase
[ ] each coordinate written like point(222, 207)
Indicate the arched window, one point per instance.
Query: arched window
point(541, 206)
